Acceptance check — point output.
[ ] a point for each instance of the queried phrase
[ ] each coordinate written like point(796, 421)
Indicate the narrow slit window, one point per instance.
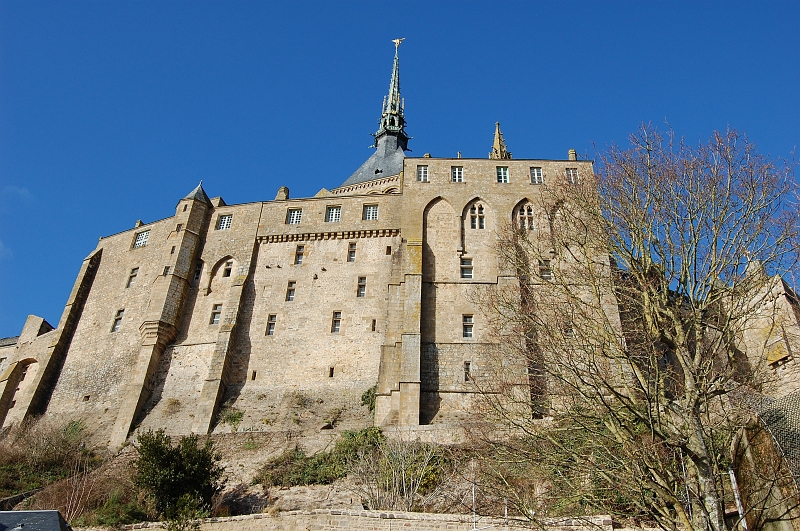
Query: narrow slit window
point(351, 252)
point(336, 322)
point(330, 372)
point(361, 291)
point(132, 277)
point(298, 254)
point(388, 250)
point(166, 270)
point(172, 251)
point(216, 314)
point(179, 227)
point(374, 324)
point(467, 371)
point(253, 375)
point(198, 270)
point(290, 290)
point(271, 322)
point(117, 324)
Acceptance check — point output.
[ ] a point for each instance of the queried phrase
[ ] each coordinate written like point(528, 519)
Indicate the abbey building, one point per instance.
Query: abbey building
point(367, 284)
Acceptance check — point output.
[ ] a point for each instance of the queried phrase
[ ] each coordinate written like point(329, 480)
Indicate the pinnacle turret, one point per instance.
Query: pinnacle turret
point(499, 150)
point(392, 120)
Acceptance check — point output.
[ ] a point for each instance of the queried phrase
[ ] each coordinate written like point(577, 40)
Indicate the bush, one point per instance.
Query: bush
point(294, 467)
point(368, 398)
point(169, 473)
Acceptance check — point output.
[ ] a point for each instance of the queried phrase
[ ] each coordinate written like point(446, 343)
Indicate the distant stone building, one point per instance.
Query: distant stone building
point(321, 298)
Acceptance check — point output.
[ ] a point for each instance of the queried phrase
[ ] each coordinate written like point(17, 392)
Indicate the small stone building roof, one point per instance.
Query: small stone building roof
point(782, 419)
point(32, 521)
point(198, 194)
point(7, 341)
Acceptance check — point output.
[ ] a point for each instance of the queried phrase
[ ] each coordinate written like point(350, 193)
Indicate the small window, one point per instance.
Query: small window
point(477, 219)
point(388, 250)
point(457, 174)
point(467, 371)
point(374, 324)
point(224, 222)
point(333, 214)
point(290, 290)
point(271, 321)
point(132, 277)
point(141, 239)
point(545, 271)
point(293, 216)
point(361, 291)
point(330, 372)
point(336, 323)
point(253, 375)
point(370, 212)
point(86, 398)
point(572, 175)
point(351, 252)
point(198, 270)
point(298, 254)
point(166, 270)
point(422, 174)
point(467, 323)
point(115, 326)
point(536, 176)
point(502, 174)
point(226, 271)
point(466, 268)
point(172, 251)
point(216, 313)
point(179, 227)
point(185, 207)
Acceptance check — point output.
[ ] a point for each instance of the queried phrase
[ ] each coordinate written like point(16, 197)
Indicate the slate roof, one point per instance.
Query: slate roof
point(198, 194)
point(385, 162)
point(782, 418)
point(32, 521)
point(6, 341)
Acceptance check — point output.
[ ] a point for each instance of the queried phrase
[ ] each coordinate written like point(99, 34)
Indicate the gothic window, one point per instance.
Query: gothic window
point(536, 176)
point(333, 214)
point(457, 174)
point(476, 217)
point(141, 239)
point(523, 216)
point(422, 174)
point(293, 216)
point(224, 222)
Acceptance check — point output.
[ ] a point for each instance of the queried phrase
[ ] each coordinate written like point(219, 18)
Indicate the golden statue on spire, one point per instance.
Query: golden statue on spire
point(397, 42)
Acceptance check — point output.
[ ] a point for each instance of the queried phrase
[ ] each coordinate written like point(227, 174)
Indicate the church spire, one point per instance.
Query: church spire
point(392, 120)
point(499, 150)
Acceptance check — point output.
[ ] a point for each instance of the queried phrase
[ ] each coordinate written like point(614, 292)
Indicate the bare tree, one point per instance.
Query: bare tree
point(623, 359)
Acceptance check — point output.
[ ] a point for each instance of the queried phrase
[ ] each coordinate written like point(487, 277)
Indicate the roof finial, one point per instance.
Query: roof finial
point(499, 150)
point(397, 43)
point(392, 120)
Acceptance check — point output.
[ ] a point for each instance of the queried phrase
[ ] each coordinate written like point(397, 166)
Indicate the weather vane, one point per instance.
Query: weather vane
point(397, 42)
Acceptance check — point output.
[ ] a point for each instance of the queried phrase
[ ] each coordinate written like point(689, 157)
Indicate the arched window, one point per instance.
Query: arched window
point(523, 216)
point(476, 217)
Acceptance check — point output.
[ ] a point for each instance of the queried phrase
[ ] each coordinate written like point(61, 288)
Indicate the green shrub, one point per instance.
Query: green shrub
point(368, 397)
point(169, 473)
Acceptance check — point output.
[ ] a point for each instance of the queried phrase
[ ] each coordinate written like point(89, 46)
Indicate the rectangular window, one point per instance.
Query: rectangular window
point(228, 268)
point(271, 320)
point(545, 272)
point(333, 214)
point(336, 323)
point(466, 268)
point(115, 326)
point(351, 252)
point(330, 372)
point(293, 216)
point(388, 250)
point(370, 212)
point(253, 376)
point(537, 177)
point(166, 270)
point(467, 371)
point(216, 313)
point(362, 287)
point(374, 324)
point(198, 270)
point(572, 175)
point(179, 227)
point(502, 174)
point(298, 254)
point(132, 277)
point(141, 239)
point(457, 174)
point(466, 324)
point(422, 174)
point(290, 290)
point(172, 251)
point(224, 222)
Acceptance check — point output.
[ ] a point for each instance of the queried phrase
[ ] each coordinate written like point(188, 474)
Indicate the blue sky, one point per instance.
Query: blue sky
point(112, 111)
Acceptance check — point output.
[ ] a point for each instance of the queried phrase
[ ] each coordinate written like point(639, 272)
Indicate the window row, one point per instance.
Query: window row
point(502, 173)
point(336, 323)
point(361, 289)
point(333, 214)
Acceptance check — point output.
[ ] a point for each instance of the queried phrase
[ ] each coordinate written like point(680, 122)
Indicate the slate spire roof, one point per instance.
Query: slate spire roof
point(198, 194)
point(391, 140)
